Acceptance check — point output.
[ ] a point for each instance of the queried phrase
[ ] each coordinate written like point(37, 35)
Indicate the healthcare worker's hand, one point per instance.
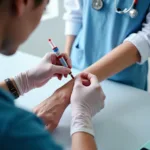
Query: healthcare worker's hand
point(42, 73)
point(86, 101)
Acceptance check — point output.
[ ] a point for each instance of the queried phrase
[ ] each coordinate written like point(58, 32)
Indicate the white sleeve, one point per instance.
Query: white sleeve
point(73, 16)
point(141, 39)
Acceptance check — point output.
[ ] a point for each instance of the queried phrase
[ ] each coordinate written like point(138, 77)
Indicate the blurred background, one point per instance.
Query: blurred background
point(51, 26)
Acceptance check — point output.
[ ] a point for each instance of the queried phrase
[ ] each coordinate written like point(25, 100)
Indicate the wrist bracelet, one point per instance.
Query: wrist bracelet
point(12, 88)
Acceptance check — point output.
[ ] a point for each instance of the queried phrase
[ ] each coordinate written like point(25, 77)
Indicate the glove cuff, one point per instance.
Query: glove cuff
point(23, 83)
point(82, 123)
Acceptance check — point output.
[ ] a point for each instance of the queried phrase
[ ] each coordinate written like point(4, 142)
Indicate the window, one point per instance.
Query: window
point(52, 10)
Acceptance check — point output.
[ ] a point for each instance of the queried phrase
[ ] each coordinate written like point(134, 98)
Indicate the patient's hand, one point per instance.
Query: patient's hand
point(51, 110)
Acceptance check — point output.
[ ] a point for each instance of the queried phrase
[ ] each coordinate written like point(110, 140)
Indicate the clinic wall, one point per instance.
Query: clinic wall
point(52, 28)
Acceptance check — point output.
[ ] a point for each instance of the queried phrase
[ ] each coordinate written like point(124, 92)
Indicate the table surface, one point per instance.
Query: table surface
point(124, 123)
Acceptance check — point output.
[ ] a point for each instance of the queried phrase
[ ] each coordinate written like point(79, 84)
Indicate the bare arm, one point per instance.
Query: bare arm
point(118, 59)
point(69, 42)
point(4, 86)
point(83, 141)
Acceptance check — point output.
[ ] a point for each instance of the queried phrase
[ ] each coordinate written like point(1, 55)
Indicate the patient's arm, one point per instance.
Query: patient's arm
point(52, 108)
point(121, 57)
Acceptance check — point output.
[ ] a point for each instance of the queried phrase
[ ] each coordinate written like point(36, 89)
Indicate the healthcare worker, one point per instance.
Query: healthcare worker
point(113, 34)
point(22, 130)
point(104, 37)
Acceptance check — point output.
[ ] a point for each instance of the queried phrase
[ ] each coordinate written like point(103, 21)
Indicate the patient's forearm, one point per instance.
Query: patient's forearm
point(118, 59)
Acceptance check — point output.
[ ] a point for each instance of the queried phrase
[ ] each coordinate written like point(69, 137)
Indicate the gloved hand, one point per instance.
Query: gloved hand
point(42, 73)
point(86, 101)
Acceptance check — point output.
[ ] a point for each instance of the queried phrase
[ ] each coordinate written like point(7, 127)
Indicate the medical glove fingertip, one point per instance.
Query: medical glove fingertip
point(78, 82)
point(62, 70)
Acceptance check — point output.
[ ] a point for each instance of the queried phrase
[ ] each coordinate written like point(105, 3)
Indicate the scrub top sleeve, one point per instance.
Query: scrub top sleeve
point(73, 16)
point(27, 132)
point(141, 39)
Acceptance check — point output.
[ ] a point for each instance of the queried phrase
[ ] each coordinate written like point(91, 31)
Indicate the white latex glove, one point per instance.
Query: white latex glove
point(86, 101)
point(42, 73)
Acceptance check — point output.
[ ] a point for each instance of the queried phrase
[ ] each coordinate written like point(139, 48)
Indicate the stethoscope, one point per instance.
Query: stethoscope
point(132, 11)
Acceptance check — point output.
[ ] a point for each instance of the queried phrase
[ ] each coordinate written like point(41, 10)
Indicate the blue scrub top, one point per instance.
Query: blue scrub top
point(104, 30)
point(21, 130)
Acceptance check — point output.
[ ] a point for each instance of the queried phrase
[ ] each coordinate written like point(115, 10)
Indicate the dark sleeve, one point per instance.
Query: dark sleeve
point(26, 132)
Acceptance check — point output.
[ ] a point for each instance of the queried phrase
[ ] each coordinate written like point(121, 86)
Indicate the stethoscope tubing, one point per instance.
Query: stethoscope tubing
point(125, 11)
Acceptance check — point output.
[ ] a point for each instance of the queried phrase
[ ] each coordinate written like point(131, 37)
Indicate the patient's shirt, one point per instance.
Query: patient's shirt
point(21, 130)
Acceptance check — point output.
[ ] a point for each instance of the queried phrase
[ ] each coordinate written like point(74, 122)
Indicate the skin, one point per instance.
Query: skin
point(69, 42)
point(24, 15)
point(51, 110)
point(79, 140)
point(23, 19)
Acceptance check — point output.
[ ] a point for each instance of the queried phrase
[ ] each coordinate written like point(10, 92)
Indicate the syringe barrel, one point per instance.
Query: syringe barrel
point(63, 62)
point(61, 59)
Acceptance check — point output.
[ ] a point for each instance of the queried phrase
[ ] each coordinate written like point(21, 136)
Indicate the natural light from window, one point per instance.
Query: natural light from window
point(52, 10)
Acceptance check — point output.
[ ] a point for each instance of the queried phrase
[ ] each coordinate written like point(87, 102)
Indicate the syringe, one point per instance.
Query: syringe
point(61, 59)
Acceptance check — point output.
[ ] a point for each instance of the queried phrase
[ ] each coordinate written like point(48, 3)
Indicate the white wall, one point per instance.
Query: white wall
point(52, 28)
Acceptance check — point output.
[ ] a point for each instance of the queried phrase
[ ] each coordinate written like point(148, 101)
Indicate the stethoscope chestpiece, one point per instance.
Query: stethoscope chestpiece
point(97, 4)
point(132, 11)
